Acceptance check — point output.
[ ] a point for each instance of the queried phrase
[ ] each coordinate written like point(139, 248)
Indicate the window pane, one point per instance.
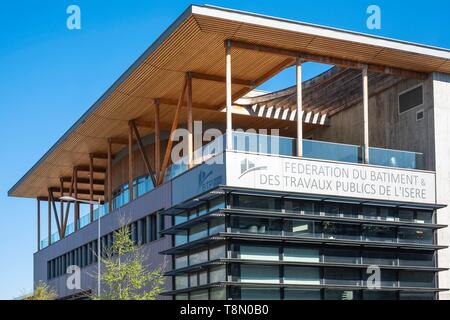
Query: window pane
point(203, 278)
point(331, 209)
point(379, 233)
point(417, 296)
point(193, 280)
point(254, 225)
point(412, 235)
point(258, 294)
point(349, 211)
point(341, 256)
point(300, 207)
point(199, 257)
point(342, 276)
point(300, 228)
point(181, 282)
point(417, 279)
point(425, 259)
point(218, 274)
point(424, 217)
point(297, 294)
point(259, 253)
point(342, 295)
point(379, 295)
point(333, 230)
point(384, 258)
point(180, 239)
point(216, 225)
point(217, 203)
point(182, 296)
point(301, 275)
point(181, 218)
point(181, 262)
point(218, 294)
point(256, 203)
point(198, 232)
point(260, 274)
point(199, 295)
point(216, 253)
point(301, 255)
point(406, 215)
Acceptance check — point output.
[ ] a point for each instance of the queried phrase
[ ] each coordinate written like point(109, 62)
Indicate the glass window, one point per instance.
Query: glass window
point(216, 253)
point(216, 225)
point(202, 210)
point(258, 294)
point(203, 278)
point(417, 296)
point(301, 255)
point(193, 280)
point(424, 217)
point(406, 215)
point(198, 231)
point(379, 295)
point(260, 274)
point(181, 238)
point(333, 230)
point(183, 217)
point(181, 282)
point(256, 203)
point(199, 295)
point(301, 228)
point(413, 235)
point(181, 262)
point(249, 252)
point(387, 214)
point(370, 213)
point(299, 294)
point(218, 294)
point(301, 275)
point(300, 207)
point(418, 259)
point(182, 296)
point(218, 274)
point(349, 211)
point(217, 203)
point(341, 256)
point(388, 278)
point(342, 295)
point(379, 233)
point(331, 209)
point(198, 257)
point(340, 276)
point(255, 225)
point(384, 258)
point(417, 279)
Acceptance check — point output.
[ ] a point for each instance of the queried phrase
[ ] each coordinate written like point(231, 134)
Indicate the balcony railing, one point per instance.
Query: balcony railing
point(265, 144)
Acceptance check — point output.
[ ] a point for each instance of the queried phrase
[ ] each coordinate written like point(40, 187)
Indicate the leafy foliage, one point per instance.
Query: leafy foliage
point(42, 292)
point(125, 276)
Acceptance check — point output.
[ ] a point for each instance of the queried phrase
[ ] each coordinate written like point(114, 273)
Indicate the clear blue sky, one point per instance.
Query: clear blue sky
point(50, 75)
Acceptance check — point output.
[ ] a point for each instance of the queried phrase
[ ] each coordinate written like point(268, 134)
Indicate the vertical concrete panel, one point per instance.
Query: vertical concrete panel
point(441, 93)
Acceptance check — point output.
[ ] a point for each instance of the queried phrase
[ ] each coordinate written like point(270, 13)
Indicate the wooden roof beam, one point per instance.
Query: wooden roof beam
point(83, 192)
point(87, 169)
point(329, 60)
point(215, 78)
point(83, 181)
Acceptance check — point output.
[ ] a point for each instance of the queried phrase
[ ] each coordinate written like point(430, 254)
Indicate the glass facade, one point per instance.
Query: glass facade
point(273, 262)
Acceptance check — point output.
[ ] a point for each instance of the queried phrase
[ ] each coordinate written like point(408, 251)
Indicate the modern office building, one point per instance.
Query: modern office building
point(344, 174)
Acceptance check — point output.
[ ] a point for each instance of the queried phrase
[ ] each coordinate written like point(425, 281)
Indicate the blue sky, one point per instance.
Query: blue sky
point(49, 76)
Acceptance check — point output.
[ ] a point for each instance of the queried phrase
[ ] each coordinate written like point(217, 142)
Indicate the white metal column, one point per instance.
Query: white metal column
point(366, 112)
point(299, 109)
point(229, 102)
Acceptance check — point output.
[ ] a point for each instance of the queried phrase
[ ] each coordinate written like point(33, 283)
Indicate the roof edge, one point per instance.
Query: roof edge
point(181, 18)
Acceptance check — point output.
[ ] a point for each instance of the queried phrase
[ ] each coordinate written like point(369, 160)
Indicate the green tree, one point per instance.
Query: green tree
point(124, 275)
point(42, 292)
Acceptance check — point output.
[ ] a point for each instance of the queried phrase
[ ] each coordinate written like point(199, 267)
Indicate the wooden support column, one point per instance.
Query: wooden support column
point(365, 77)
point(130, 161)
point(299, 109)
point(157, 141)
point(61, 203)
point(189, 120)
point(76, 204)
point(109, 171)
point(172, 130)
point(38, 225)
point(229, 101)
point(49, 228)
point(142, 150)
point(91, 186)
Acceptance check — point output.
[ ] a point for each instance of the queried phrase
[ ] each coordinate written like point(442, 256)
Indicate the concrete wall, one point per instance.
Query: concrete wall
point(441, 92)
point(158, 199)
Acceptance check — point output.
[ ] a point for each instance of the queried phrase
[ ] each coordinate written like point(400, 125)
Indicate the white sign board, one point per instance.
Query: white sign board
point(329, 178)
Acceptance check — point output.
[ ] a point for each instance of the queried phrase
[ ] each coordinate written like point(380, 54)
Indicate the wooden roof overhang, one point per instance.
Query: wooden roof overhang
point(262, 47)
